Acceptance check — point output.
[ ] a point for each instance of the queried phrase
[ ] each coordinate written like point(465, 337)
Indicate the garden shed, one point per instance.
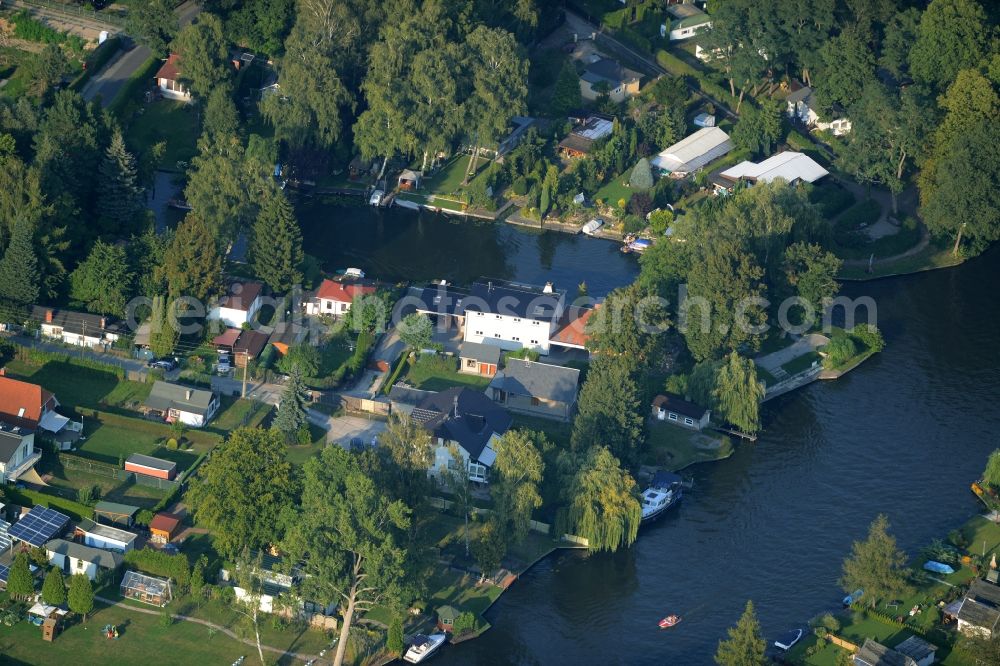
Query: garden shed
point(147, 589)
point(446, 617)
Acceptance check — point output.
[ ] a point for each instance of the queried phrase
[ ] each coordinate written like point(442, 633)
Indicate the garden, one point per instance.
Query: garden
point(673, 448)
point(437, 372)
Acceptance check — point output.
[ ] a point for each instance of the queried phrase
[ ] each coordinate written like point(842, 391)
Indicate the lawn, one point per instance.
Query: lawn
point(448, 179)
point(67, 481)
point(674, 448)
point(765, 376)
point(930, 258)
point(76, 386)
point(109, 437)
point(436, 372)
point(299, 454)
point(558, 432)
point(174, 123)
point(614, 191)
point(236, 412)
point(983, 535)
point(800, 363)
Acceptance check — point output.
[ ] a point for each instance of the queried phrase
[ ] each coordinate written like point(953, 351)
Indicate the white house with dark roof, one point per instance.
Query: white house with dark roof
point(239, 305)
point(672, 408)
point(17, 451)
point(468, 421)
point(513, 316)
point(80, 329)
point(74, 558)
point(801, 106)
point(175, 402)
point(539, 389)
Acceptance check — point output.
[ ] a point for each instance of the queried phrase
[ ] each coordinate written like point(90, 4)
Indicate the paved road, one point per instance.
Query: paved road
point(109, 81)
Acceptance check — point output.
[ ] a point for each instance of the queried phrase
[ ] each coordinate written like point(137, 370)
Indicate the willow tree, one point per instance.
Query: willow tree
point(518, 470)
point(604, 508)
point(739, 393)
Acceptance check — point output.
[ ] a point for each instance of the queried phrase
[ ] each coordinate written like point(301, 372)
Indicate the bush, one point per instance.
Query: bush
point(31, 29)
point(868, 335)
point(830, 623)
point(464, 623)
point(159, 563)
point(520, 186)
point(172, 444)
point(839, 351)
point(831, 199)
point(633, 224)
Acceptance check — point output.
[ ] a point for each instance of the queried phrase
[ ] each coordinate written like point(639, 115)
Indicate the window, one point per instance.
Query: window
point(688, 421)
point(496, 335)
point(534, 342)
point(479, 332)
point(470, 362)
point(516, 339)
point(517, 319)
point(535, 323)
point(498, 316)
point(535, 402)
point(672, 416)
point(20, 412)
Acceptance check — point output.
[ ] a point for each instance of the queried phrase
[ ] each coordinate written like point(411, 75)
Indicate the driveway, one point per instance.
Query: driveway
point(342, 429)
point(233, 385)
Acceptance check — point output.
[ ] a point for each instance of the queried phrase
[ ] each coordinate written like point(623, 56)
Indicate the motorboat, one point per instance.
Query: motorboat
point(638, 245)
point(670, 621)
point(376, 198)
point(664, 491)
point(788, 639)
point(938, 567)
point(592, 227)
point(423, 647)
point(853, 597)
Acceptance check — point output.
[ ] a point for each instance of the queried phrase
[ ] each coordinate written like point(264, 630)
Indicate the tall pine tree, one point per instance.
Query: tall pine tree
point(192, 265)
point(291, 417)
point(745, 646)
point(19, 273)
point(120, 203)
point(276, 248)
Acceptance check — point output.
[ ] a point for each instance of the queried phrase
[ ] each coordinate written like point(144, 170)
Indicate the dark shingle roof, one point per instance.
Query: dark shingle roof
point(916, 648)
point(538, 380)
point(441, 299)
point(876, 654)
point(513, 301)
point(480, 352)
point(77, 323)
point(165, 396)
point(608, 70)
point(464, 416)
point(102, 558)
point(10, 440)
point(981, 606)
point(675, 403)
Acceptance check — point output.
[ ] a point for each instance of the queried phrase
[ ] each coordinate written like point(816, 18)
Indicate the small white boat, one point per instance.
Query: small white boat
point(423, 647)
point(351, 272)
point(376, 198)
point(592, 227)
point(788, 639)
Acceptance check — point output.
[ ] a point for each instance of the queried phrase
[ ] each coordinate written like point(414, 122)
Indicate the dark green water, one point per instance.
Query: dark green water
point(904, 434)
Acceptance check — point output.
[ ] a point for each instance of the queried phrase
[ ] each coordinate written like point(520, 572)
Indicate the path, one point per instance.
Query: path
point(342, 429)
point(578, 24)
point(212, 625)
point(807, 343)
point(925, 238)
point(109, 81)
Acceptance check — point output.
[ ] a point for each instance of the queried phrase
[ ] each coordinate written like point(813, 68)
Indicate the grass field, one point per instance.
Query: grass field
point(614, 191)
point(674, 448)
point(800, 363)
point(174, 123)
point(930, 258)
point(438, 372)
point(76, 386)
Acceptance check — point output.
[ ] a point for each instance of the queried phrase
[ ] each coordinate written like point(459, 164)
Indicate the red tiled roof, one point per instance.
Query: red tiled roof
point(164, 522)
point(16, 395)
point(331, 290)
point(227, 339)
point(251, 343)
point(574, 327)
point(170, 69)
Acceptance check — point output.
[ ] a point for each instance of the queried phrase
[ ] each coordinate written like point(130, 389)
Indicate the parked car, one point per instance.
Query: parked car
point(167, 364)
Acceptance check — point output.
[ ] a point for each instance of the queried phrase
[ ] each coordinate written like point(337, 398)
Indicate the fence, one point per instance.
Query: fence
point(840, 642)
point(70, 461)
point(353, 403)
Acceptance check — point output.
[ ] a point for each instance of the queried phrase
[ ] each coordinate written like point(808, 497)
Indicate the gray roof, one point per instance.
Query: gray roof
point(916, 648)
point(981, 605)
point(801, 95)
point(608, 70)
point(10, 439)
point(151, 462)
point(105, 531)
point(480, 352)
point(876, 654)
point(76, 322)
point(513, 300)
point(674, 403)
point(464, 416)
point(408, 395)
point(538, 380)
point(102, 558)
point(165, 396)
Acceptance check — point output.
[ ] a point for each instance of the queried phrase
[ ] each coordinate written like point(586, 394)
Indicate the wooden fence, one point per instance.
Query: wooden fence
point(840, 642)
point(367, 405)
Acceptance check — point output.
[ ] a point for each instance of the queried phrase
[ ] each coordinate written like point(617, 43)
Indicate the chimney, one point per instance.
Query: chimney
point(548, 288)
point(3, 372)
point(187, 394)
point(48, 316)
point(104, 323)
point(489, 286)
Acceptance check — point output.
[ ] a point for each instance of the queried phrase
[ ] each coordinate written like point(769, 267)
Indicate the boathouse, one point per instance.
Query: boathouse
point(672, 408)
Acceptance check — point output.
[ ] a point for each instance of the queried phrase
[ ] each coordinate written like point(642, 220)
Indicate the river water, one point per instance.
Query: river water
point(903, 434)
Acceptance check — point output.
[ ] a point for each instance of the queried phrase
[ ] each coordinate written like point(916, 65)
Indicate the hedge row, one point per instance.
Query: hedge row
point(160, 563)
point(27, 497)
point(400, 364)
point(33, 356)
point(678, 67)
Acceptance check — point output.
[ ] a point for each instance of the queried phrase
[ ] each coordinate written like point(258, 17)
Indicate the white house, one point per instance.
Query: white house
point(74, 558)
point(334, 297)
point(687, 22)
point(106, 537)
point(17, 451)
point(620, 83)
point(80, 329)
point(513, 316)
point(671, 408)
point(168, 80)
point(693, 152)
point(801, 106)
point(174, 402)
point(239, 305)
point(467, 421)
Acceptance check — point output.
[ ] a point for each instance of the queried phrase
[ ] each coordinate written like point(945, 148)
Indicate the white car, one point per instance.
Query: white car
point(376, 198)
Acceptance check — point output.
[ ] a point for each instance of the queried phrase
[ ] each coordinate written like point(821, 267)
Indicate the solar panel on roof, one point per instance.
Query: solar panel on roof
point(4, 572)
point(38, 526)
point(4, 537)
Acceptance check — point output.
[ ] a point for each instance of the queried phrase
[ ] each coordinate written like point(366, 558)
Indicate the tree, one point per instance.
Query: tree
point(221, 116)
point(163, 335)
point(240, 492)
point(152, 23)
point(415, 330)
point(291, 417)
point(848, 66)
point(900, 34)
point(20, 582)
point(261, 24)
point(738, 393)
point(352, 534)
point(222, 182)
point(394, 640)
point(566, 92)
point(276, 246)
point(54, 588)
point(198, 578)
point(304, 356)
point(609, 410)
point(991, 475)
point(812, 272)
point(81, 595)
point(642, 176)
point(876, 565)
point(103, 282)
point(489, 548)
point(192, 265)
point(745, 645)
point(120, 202)
point(411, 449)
point(759, 128)
point(201, 50)
point(518, 470)
point(603, 507)
point(952, 35)
point(839, 351)
point(19, 272)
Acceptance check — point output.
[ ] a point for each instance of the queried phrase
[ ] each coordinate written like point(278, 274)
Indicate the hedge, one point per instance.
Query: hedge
point(27, 497)
point(39, 357)
point(160, 563)
point(135, 83)
point(400, 364)
point(678, 67)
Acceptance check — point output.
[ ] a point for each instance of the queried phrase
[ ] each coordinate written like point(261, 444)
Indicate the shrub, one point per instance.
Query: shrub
point(830, 623)
point(642, 176)
point(520, 186)
point(869, 335)
point(464, 623)
point(159, 563)
point(839, 351)
point(172, 444)
point(633, 224)
point(831, 199)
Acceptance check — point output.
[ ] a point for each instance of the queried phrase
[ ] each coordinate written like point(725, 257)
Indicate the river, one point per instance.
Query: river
point(903, 434)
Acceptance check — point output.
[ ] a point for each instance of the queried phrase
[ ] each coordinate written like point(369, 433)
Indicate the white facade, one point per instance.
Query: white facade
point(235, 317)
point(192, 419)
point(801, 110)
point(97, 339)
point(24, 456)
point(507, 332)
point(688, 31)
point(478, 469)
point(327, 306)
point(104, 537)
point(76, 565)
point(173, 90)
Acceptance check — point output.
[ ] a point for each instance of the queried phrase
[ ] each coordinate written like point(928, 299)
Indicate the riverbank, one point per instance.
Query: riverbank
point(929, 258)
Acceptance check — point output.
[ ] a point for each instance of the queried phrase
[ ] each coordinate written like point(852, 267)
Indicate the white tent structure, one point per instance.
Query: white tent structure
point(790, 166)
point(693, 152)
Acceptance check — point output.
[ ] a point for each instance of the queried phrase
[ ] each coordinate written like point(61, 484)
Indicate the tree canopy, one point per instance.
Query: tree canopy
point(745, 645)
point(604, 509)
point(876, 565)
